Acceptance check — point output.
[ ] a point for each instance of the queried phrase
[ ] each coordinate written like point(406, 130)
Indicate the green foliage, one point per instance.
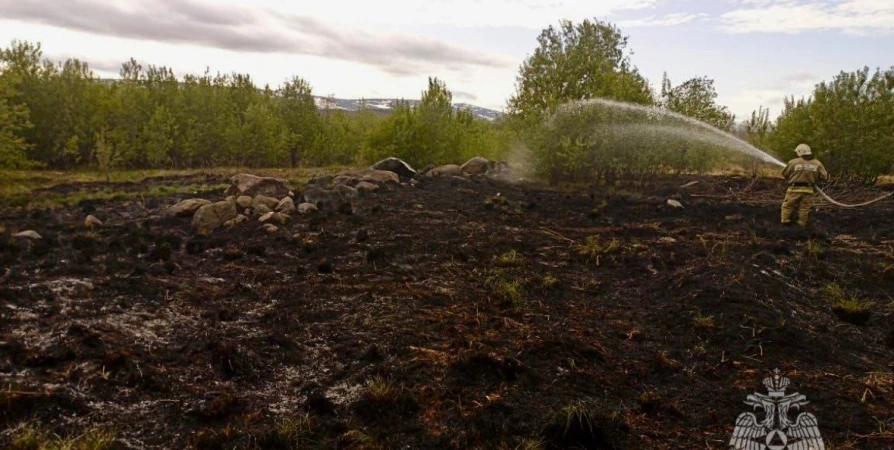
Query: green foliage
point(433, 132)
point(575, 62)
point(695, 98)
point(61, 116)
point(590, 143)
point(848, 123)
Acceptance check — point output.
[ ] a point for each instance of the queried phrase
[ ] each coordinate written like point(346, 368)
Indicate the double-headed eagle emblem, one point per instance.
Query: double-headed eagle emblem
point(776, 431)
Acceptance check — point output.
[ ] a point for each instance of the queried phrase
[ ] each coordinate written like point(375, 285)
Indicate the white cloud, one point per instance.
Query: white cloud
point(492, 13)
point(793, 16)
point(237, 28)
point(668, 20)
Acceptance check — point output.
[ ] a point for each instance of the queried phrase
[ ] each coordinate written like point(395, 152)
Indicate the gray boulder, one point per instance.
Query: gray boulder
point(187, 208)
point(252, 185)
point(448, 170)
point(476, 166)
point(396, 165)
point(212, 216)
point(365, 188)
point(244, 201)
point(269, 202)
point(286, 206)
point(307, 208)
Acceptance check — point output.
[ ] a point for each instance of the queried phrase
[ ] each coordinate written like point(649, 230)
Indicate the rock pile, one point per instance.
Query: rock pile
point(272, 201)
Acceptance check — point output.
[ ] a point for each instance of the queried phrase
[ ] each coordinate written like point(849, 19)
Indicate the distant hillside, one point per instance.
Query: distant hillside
point(384, 105)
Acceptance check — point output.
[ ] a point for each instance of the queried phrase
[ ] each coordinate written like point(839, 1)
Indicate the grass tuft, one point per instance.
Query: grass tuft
point(847, 306)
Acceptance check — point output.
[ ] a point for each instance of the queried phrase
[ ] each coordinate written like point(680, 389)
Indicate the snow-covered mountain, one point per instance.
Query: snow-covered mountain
point(385, 104)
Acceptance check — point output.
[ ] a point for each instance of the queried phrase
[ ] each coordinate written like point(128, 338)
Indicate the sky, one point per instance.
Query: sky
point(757, 51)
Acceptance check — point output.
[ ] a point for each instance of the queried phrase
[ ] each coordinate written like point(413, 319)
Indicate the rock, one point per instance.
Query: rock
point(322, 198)
point(365, 187)
point(674, 203)
point(286, 206)
point(243, 201)
point(274, 217)
point(187, 208)
point(212, 216)
point(92, 221)
point(476, 166)
point(446, 170)
point(28, 234)
point(321, 181)
point(233, 222)
point(270, 228)
point(260, 210)
point(345, 191)
point(427, 170)
point(345, 180)
point(466, 191)
point(231, 199)
point(252, 185)
point(381, 177)
point(396, 165)
point(307, 208)
point(269, 202)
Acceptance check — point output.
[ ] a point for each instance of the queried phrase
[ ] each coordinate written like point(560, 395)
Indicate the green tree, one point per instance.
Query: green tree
point(695, 98)
point(576, 62)
point(299, 113)
point(13, 122)
point(105, 154)
point(158, 136)
point(848, 122)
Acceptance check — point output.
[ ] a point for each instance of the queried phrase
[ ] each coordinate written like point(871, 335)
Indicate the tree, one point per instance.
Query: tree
point(695, 98)
point(158, 135)
point(13, 121)
point(107, 157)
point(576, 62)
point(299, 113)
point(848, 122)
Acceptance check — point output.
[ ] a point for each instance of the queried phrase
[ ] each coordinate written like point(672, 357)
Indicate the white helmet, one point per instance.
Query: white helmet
point(802, 149)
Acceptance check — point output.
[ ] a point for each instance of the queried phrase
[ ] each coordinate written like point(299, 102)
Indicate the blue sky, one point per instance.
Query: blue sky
point(757, 51)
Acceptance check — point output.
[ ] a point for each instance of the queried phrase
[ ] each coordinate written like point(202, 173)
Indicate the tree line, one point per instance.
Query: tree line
point(61, 116)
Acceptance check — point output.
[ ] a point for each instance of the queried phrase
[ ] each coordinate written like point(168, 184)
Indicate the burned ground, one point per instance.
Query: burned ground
point(455, 314)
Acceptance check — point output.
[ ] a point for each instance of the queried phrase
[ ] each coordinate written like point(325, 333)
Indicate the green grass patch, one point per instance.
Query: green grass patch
point(28, 189)
point(847, 306)
point(30, 437)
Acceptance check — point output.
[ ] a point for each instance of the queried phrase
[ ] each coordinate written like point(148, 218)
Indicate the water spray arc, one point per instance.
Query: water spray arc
point(737, 143)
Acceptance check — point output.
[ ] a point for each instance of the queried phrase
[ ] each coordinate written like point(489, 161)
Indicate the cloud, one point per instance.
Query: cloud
point(796, 16)
point(240, 29)
point(534, 14)
point(462, 95)
point(668, 20)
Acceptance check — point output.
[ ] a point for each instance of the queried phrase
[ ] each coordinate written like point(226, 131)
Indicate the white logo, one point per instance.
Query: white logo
point(777, 431)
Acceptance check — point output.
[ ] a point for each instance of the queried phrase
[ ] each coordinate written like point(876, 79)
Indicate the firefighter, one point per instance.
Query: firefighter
point(802, 174)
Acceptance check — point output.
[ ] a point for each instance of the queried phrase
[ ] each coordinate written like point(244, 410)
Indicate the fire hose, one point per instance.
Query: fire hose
point(844, 205)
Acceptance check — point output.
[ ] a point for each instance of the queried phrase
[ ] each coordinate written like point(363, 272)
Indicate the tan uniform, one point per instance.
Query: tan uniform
point(802, 174)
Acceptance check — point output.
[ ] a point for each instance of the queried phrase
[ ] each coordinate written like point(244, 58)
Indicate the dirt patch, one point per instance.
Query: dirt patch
point(488, 313)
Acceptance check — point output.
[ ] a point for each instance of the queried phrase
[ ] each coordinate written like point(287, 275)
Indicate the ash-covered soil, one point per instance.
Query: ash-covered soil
point(456, 314)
